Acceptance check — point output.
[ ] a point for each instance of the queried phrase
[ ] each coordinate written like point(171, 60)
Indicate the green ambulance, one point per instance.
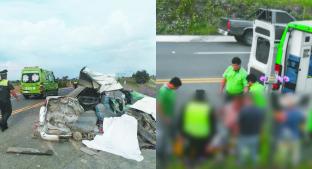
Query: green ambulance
point(36, 81)
point(290, 58)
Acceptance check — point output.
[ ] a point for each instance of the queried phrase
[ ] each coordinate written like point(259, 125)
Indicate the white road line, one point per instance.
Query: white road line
point(219, 53)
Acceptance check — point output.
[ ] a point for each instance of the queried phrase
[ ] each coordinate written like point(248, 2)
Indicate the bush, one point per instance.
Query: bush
point(141, 77)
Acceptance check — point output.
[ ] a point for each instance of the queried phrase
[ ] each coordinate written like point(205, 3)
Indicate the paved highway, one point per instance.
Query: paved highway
point(66, 155)
point(199, 64)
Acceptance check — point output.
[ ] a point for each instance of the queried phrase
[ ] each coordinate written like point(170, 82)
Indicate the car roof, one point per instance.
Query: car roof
point(269, 9)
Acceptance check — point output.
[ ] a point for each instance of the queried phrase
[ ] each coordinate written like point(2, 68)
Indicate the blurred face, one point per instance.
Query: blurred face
point(249, 83)
point(236, 67)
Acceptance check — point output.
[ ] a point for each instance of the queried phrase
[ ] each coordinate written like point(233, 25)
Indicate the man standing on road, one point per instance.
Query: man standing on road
point(234, 80)
point(6, 89)
point(166, 99)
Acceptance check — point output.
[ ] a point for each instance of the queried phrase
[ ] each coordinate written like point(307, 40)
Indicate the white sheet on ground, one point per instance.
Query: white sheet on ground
point(147, 105)
point(119, 138)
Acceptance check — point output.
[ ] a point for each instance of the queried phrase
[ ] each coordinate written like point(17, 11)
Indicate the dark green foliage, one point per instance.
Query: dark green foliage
point(202, 17)
point(141, 77)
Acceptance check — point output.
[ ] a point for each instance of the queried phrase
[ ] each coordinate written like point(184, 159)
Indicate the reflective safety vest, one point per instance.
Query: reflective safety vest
point(4, 82)
point(309, 121)
point(4, 90)
point(196, 122)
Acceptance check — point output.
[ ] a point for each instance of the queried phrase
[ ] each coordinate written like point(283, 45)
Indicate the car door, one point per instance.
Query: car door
point(262, 49)
point(304, 82)
point(280, 20)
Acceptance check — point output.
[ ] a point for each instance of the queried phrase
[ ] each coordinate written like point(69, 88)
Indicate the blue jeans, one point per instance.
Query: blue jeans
point(248, 145)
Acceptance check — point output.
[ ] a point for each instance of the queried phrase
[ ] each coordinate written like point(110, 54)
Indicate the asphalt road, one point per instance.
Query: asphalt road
point(195, 59)
point(199, 64)
point(66, 155)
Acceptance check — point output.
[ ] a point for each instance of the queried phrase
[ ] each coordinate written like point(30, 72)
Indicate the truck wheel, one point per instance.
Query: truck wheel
point(238, 38)
point(26, 96)
point(247, 37)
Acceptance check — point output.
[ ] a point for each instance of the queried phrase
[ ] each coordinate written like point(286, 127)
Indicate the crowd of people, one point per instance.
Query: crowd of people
point(255, 126)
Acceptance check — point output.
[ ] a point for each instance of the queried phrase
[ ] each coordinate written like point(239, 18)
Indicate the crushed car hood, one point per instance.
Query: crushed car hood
point(98, 81)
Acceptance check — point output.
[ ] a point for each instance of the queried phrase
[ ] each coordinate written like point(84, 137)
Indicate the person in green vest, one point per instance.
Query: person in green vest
point(6, 89)
point(198, 125)
point(256, 90)
point(234, 80)
point(165, 104)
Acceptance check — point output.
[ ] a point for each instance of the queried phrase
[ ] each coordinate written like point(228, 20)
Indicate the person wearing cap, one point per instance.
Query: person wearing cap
point(234, 80)
point(166, 99)
point(6, 90)
point(197, 124)
point(256, 90)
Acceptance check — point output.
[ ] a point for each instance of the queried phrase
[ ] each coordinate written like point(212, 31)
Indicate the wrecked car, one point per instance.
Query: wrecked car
point(74, 115)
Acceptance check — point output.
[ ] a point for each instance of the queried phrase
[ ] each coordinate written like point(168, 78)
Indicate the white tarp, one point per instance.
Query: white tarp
point(147, 105)
point(107, 82)
point(120, 138)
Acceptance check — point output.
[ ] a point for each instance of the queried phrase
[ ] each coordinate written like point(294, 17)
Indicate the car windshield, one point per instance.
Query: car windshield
point(30, 77)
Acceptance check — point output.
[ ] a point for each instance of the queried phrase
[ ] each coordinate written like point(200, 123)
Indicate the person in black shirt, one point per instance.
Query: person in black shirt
point(6, 89)
point(250, 122)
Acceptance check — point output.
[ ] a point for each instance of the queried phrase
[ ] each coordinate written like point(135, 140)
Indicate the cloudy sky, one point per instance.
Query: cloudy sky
point(113, 37)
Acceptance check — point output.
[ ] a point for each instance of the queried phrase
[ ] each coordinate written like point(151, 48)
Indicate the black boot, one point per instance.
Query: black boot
point(3, 127)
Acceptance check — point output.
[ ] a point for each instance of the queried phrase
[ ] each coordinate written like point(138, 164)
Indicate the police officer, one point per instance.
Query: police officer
point(6, 88)
point(198, 125)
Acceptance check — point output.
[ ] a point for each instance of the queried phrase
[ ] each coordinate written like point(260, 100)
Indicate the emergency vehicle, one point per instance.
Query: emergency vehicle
point(291, 58)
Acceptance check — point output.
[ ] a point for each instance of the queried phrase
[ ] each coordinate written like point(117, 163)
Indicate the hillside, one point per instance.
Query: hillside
point(201, 17)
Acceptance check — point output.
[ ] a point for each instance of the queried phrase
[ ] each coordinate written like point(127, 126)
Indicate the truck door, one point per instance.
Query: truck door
point(305, 68)
point(298, 66)
point(262, 49)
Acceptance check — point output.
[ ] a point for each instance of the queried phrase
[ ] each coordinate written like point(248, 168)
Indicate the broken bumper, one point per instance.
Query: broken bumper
point(223, 32)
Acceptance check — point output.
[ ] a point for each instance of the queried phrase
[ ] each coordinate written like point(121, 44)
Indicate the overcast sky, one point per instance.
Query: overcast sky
point(113, 37)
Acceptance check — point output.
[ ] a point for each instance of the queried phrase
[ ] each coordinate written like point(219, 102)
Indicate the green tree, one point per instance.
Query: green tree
point(141, 77)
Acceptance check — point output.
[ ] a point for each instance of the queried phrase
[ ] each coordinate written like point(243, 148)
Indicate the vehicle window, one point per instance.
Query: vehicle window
point(254, 15)
point(52, 78)
point(310, 68)
point(282, 17)
point(265, 16)
point(262, 50)
point(30, 77)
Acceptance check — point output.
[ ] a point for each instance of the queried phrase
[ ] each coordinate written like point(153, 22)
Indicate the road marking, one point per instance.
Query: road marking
point(27, 108)
point(219, 53)
point(193, 80)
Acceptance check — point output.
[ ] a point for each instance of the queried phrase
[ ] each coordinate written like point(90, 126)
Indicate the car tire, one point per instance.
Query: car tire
point(247, 37)
point(26, 96)
point(238, 38)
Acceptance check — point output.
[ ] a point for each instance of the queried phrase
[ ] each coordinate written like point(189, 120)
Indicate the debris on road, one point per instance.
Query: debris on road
point(31, 151)
point(102, 114)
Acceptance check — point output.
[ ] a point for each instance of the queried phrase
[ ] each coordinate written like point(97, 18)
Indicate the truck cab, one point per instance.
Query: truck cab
point(292, 59)
point(36, 81)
